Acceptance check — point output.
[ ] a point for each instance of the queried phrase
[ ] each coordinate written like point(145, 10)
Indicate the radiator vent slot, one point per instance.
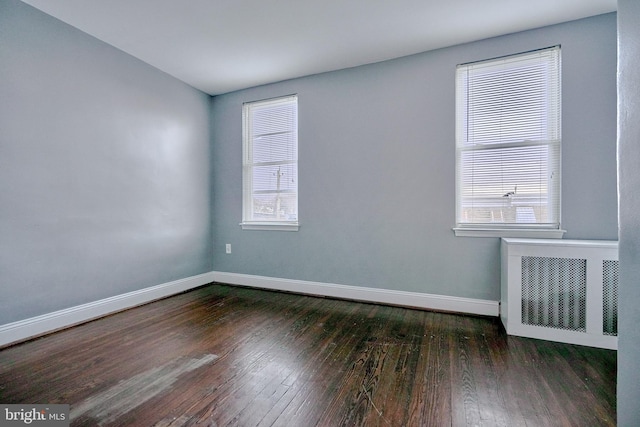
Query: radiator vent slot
point(554, 292)
point(610, 297)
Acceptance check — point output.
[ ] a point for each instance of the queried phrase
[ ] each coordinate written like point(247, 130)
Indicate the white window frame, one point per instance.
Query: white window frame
point(281, 220)
point(488, 203)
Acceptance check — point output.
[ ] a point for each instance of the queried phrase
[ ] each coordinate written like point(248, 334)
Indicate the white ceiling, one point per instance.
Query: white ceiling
point(219, 46)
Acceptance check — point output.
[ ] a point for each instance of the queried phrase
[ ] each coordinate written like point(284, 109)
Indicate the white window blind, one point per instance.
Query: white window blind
point(508, 138)
point(270, 164)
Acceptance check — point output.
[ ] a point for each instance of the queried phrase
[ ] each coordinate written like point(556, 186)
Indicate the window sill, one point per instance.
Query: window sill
point(533, 233)
point(270, 226)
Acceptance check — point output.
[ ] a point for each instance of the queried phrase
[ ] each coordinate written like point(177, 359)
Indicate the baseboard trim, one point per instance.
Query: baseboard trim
point(22, 330)
point(357, 293)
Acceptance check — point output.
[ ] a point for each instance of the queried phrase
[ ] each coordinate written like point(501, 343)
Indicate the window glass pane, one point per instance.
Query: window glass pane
point(509, 185)
point(274, 207)
point(275, 178)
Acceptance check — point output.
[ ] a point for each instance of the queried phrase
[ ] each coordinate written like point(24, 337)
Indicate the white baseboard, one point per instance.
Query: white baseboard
point(24, 329)
point(357, 293)
point(39, 325)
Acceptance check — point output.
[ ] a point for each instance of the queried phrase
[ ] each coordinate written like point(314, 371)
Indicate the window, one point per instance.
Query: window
point(270, 164)
point(508, 146)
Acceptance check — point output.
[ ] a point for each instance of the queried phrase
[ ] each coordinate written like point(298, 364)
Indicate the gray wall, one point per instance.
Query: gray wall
point(104, 169)
point(377, 168)
point(106, 172)
point(629, 183)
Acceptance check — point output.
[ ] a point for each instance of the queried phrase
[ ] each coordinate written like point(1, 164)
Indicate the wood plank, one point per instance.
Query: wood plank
point(223, 355)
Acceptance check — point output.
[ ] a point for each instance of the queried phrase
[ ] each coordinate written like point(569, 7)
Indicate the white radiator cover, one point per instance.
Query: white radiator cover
point(561, 290)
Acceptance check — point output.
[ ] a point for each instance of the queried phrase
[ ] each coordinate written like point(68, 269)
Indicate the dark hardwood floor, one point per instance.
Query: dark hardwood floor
point(222, 355)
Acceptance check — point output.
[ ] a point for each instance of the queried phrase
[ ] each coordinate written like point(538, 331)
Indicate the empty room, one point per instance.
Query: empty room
point(358, 213)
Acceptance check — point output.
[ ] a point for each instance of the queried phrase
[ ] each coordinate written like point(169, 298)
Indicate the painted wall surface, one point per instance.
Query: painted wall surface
point(629, 183)
point(377, 167)
point(104, 169)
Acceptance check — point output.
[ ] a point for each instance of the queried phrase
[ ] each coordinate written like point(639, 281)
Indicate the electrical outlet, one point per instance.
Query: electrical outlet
point(228, 248)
